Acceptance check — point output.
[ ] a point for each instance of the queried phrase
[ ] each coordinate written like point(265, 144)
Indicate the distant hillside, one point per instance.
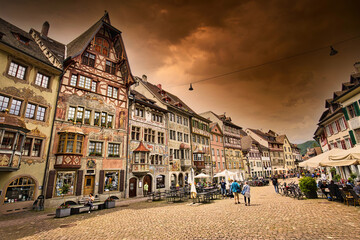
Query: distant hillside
point(308, 144)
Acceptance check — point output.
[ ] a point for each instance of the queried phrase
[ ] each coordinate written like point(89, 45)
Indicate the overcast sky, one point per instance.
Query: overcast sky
point(178, 42)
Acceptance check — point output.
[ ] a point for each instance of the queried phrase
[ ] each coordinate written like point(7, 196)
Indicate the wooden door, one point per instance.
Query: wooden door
point(89, 184)
point(132, 187)
point(148, 180)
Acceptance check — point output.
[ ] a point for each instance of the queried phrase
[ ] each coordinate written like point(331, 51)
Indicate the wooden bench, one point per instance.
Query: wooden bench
point(76, 209)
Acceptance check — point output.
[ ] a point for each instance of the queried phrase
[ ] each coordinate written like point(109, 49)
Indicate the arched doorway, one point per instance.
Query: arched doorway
point(148, 180)
point(173, 180)
point(132, 187)
point(181, 180)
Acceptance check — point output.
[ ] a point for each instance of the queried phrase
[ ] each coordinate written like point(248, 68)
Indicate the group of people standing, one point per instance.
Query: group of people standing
point(235, 189)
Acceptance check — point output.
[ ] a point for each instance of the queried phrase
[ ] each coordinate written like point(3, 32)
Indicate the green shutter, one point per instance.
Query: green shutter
point(346, 114)
point(352, 137)
point(357, 109)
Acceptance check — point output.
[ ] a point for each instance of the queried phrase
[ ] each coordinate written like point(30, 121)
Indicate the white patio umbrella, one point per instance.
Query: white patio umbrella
point(220, 174)
point(315, 162)
point(202, 175)
point(192, 184)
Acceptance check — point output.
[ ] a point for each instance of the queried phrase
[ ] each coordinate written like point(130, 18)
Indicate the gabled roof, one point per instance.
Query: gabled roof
point(166, 97)
point(213, 125)
point(9, 35)
point(144, 100)
point(57, 48)
point(79, 44)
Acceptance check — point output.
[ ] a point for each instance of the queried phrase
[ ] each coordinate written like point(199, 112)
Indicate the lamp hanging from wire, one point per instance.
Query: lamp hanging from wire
point(191, 88)
point(332, 51)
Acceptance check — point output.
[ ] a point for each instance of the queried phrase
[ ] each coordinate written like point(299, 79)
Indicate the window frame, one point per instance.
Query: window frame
point(75, 143)
point(86, 59)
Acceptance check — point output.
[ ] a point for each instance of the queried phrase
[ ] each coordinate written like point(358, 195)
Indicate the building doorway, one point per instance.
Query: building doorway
point(132, 187)
point(89, 184)
point(148, 180)
point(181, 180)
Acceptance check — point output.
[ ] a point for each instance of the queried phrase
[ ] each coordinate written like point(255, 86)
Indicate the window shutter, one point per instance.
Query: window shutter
point(352, 137)
point(343, 145)
point(50, 184)
point(331, 130)
point(346, 125)
point(122, 180)
point(79, 182)
point(338, 125)
point(357, 109)
point(101, 182)
point(346, 114)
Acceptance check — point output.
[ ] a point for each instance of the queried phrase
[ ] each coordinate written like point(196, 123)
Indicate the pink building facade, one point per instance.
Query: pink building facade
point(217, 148)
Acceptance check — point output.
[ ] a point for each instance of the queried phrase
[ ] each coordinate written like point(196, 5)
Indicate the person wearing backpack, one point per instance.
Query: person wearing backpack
point(235, 188)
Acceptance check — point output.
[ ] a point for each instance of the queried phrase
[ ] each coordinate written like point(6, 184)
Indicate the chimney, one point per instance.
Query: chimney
point(144, 78)
point(45, 29)
point(357, 67)
point(159, 86)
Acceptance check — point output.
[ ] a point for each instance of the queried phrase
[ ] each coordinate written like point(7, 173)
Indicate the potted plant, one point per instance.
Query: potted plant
point(337, 178)
point(109, 203)
point(308, 187)
point(64, 210)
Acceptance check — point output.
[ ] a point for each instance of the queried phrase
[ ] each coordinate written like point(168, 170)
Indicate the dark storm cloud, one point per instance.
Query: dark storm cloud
point(182, 41)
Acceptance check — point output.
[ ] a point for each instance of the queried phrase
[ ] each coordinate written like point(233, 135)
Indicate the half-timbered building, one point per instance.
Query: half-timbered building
point(90, 129)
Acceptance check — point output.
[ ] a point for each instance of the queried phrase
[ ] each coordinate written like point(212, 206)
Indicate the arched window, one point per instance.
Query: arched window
point(20, 190)
point(70, 143)
point(102, 46)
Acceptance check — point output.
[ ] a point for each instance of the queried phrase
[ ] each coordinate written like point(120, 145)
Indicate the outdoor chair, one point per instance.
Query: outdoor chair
point(356, 198)
point(346, 197)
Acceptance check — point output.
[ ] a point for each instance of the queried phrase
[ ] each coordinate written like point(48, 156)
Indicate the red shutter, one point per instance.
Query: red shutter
point(331, 130)
point(343, 145)
point(329, 146)
point(50, 184)
point(335, 145)
point(338, 125)
point(101, 182)
point(346, 125)
point(79, 182)
point(122, 180)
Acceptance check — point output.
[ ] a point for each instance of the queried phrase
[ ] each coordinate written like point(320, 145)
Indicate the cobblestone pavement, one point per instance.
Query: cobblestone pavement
point(270, 216)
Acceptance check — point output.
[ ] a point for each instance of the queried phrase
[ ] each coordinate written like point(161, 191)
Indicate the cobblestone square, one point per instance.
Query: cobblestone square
point(270, 216)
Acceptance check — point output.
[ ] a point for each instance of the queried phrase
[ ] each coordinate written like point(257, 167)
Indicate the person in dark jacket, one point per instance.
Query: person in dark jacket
point(276, 184)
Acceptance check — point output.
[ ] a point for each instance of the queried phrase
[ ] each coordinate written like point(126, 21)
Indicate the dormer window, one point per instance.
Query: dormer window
point(102, 46)
point(21, 38)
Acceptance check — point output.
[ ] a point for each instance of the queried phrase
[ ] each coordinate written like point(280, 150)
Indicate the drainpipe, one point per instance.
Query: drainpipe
point(51, 134)
point(128, 144)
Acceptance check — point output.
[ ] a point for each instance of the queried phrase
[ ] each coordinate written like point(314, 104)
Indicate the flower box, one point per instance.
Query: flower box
point(63, 212)
point(109, 204)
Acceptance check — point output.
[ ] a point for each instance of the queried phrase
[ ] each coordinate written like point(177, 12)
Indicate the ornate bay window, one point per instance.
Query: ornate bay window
point(140, 160)
point(70, 148)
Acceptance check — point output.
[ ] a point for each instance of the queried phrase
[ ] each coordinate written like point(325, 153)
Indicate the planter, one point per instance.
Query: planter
point(110, 204)
point(63, 212)
point(311, 195)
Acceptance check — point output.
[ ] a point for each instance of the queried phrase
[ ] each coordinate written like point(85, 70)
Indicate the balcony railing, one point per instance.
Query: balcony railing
point(72, 161)
point(9, 161)
point(185, 163)
point(140, 167)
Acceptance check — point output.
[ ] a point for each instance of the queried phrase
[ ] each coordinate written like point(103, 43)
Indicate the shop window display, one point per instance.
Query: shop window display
point(65, 178)
point(160, 181)
point(111, 181)
point(20, 190)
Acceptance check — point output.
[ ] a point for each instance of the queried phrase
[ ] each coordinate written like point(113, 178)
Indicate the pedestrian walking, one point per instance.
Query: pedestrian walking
point(230, 190)
point(276, 184)
point(91, 201)
point(146, 189)
point(223, 187)
point(235, 188)
point(246, 193)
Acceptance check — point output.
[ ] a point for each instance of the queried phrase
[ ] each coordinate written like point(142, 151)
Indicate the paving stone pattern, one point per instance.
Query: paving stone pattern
point(270, 216)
